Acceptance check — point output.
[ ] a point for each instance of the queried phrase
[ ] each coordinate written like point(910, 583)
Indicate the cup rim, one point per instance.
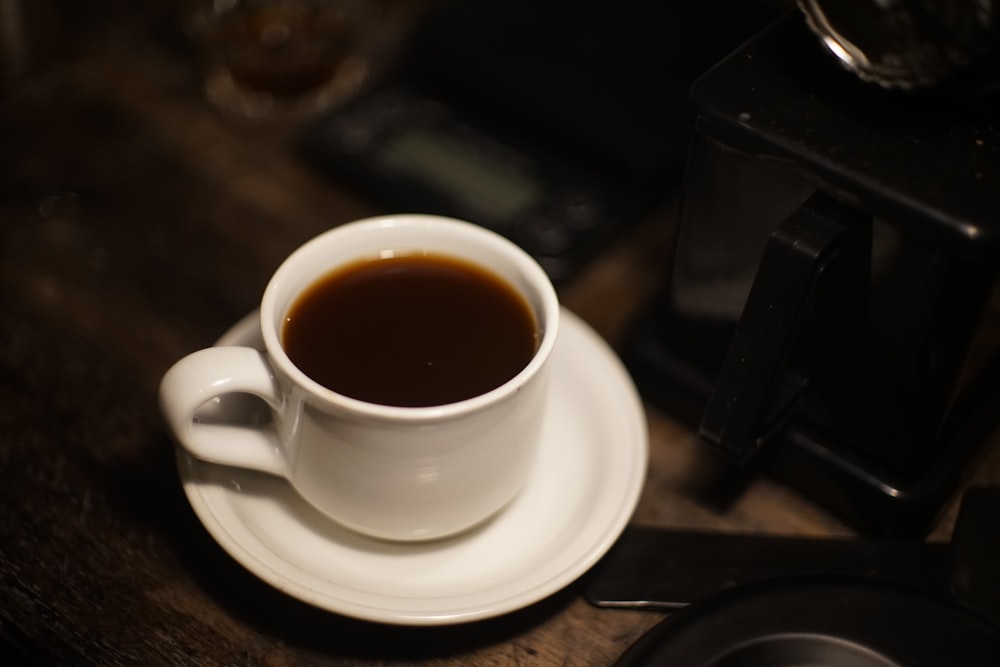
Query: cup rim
point(525, 265)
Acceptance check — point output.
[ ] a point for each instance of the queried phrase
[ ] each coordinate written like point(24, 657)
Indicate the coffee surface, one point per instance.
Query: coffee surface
point(412, 330)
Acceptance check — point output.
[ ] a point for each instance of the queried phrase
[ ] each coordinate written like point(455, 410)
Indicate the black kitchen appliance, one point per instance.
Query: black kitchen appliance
point(789, 601)
point(836, 252)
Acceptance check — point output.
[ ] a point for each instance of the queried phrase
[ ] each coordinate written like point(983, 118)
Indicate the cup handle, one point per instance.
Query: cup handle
point(212, 373)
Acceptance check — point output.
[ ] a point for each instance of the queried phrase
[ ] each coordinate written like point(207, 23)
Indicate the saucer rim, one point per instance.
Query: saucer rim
point(631, 481)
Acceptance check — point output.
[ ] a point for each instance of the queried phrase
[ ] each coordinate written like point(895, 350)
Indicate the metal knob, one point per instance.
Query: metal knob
point(905, 43)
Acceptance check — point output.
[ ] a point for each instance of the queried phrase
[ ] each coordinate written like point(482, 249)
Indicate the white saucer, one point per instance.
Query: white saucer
point(581, 495)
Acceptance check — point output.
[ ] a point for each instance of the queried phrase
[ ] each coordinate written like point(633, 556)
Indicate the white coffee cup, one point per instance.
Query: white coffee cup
point(399, 473)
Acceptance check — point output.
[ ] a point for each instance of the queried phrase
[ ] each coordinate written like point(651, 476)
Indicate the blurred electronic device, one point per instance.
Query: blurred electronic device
point(556, 124)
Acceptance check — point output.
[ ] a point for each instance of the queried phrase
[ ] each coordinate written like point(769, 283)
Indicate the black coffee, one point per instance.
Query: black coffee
point(413, 330)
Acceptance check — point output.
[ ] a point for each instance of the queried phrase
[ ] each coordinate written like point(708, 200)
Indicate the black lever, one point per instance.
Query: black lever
point(804, 307)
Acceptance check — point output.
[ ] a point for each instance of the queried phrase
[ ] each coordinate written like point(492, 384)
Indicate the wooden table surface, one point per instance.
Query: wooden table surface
point(136, 225)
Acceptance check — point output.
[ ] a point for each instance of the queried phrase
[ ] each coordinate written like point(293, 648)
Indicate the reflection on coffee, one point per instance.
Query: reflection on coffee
point(411, 330)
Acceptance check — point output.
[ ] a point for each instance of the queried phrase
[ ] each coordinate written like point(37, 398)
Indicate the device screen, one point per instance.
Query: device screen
point(443, 162)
